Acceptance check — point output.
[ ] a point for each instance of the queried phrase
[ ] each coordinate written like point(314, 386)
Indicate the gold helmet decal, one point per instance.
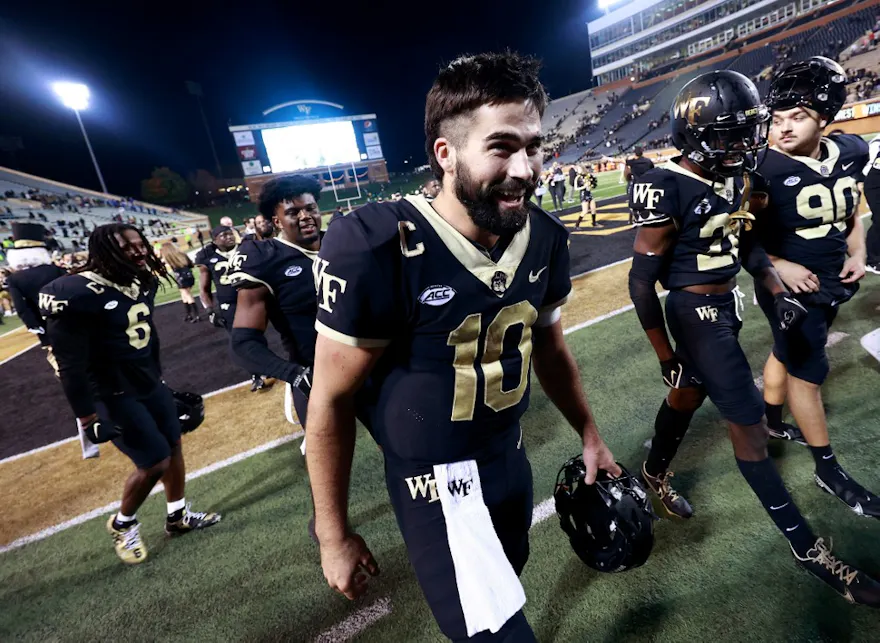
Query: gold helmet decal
point(690, 108)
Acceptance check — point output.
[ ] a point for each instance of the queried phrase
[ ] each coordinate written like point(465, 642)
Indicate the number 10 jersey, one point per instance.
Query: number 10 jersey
point(455, 324)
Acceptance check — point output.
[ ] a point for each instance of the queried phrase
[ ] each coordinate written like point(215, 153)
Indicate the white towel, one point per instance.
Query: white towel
point(488, 588)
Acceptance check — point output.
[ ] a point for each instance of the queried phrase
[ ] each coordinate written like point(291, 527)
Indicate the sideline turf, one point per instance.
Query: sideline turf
point(725, 575)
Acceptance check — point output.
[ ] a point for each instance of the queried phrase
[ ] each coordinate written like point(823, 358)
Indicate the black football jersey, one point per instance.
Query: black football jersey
point(810, 201)
point(707, 248)
point(217, 263)
point(286, 270)
point(123, 349)
point(456, 324)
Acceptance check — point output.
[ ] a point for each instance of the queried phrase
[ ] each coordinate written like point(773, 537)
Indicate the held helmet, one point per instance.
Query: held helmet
point(817, 83)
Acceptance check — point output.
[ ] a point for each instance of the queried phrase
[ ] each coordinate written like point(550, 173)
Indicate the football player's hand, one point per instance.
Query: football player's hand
point(50, 357)
point(348, 565)
point(675, 375)
point(303, 380)
point(789, 311)
point(98, 430)
point(216, 318)
point(853, 270)
point(598, 456)
point(797, 278)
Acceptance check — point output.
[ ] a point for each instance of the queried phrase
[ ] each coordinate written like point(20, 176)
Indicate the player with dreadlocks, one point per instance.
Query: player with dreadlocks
point(100, 326)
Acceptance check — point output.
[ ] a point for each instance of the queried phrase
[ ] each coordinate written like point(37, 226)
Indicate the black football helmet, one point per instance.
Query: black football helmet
point(610, 524)
point(817, 83)
point(720, 124)
point(190, 410)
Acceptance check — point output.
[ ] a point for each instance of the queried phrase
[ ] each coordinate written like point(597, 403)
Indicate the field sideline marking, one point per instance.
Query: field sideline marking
point(82, 518)
point(46, 447)
point(114, 506)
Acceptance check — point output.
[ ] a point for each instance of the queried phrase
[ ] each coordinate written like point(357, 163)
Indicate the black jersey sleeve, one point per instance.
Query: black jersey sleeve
point(251, 266)
point(201, 257)
point(67, 328)
point(355, 277)
point(654, 198)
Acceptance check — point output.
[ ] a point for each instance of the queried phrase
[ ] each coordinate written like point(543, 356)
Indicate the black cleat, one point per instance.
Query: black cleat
point(786, 431)
point(851, 493)
point(257, 383)
point(673, 503)
point(855, 586)
point(185, 521)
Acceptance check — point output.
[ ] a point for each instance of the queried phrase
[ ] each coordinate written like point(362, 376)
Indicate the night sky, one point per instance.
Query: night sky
point(247, 58)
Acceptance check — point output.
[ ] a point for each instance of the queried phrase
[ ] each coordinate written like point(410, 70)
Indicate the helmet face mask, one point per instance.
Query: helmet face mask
point(610, 523)
point(190, 410)
point(720, 124)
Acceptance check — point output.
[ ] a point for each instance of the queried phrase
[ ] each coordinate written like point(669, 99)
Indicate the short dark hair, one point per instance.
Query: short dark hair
point(285, 188)
point(469, 82)
point(638, 150)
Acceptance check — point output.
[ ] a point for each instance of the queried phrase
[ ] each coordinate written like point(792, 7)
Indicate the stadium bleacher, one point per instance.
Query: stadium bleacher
point(832, 39)
point(73, 212)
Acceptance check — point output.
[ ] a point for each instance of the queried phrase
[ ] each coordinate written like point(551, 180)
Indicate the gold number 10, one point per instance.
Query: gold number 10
point(466, 339)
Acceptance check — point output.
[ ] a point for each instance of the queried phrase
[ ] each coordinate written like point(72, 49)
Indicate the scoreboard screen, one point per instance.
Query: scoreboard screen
point(313, 144)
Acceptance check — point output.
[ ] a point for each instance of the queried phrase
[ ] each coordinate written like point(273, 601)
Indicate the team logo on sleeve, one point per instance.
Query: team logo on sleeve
point(51, 306)
point(437, 295)
point(327, 285)
point(644, 193)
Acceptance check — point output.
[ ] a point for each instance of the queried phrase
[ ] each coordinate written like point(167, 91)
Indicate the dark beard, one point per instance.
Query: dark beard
point(482, 207)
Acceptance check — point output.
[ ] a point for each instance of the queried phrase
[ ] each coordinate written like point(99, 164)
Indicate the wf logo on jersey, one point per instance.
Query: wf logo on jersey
point(236, 261)
point(707, 313)
point(644, 193)
point(51, 306)
point(425, 486)
point(327, 285)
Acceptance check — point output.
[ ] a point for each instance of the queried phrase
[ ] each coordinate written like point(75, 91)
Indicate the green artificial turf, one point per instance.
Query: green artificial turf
point(726, 575)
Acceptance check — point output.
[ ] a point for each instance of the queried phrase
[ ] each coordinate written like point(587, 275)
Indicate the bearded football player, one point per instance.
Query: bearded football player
point(275, 283)
point(693, 216)
point(817, 244)
point(100, 325)
point(444, 305)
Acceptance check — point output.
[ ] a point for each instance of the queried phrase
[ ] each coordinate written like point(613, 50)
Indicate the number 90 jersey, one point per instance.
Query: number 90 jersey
point(456, 325)
point(117, 322)
point(810, 201)
point(707, 247)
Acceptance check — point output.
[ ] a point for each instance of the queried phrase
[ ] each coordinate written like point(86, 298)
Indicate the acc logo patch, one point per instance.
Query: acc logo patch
point(436, 295)
point(214, 260)
point(792, 180)
point(293, 271)
point(110, 305)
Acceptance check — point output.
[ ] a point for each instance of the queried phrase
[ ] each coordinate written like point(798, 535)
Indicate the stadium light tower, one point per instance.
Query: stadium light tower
point(76, 97)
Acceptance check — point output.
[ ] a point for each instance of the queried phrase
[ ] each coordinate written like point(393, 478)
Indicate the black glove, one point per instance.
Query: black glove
point(216, 318)
point(100, 430)
point(675, 375)
point(789, 311)
point(303, 380)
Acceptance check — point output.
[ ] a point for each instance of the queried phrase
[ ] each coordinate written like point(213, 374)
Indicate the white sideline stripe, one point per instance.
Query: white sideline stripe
point(356, 623)
point(14, 330)
point(601, 318)
point(600, 268)
point(95, 513)
point(46, 447)
point(21, 352)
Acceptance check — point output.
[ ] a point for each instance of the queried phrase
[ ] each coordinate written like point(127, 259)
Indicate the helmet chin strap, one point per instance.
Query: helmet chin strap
point(742, 214)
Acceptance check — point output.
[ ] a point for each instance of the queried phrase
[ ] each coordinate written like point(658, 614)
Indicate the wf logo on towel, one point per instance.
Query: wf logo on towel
point(425, 486)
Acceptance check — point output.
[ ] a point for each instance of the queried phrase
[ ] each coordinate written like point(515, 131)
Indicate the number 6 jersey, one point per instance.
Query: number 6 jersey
point(810, 201)
point(455, 322)
point(104, 331)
